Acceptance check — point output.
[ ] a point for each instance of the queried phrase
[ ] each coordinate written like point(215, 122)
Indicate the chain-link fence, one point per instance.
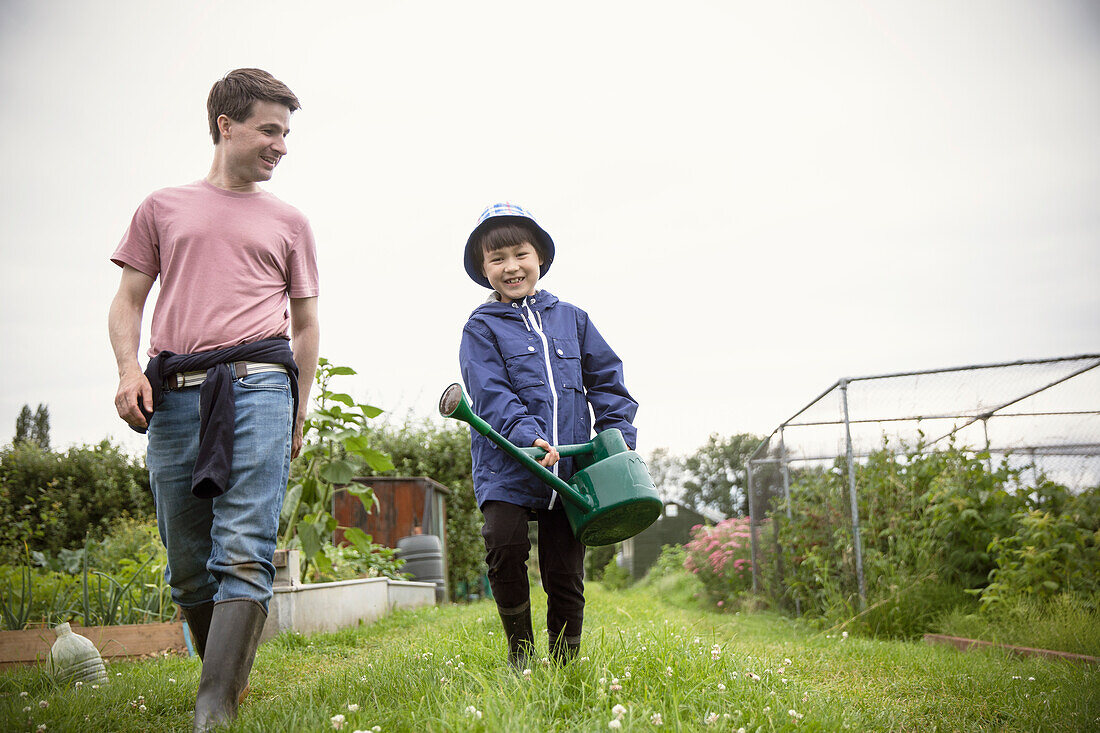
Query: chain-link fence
point(1041, 418)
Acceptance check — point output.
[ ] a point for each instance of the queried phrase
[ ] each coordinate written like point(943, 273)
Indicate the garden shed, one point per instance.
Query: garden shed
point(673, 527)
point(405, 506)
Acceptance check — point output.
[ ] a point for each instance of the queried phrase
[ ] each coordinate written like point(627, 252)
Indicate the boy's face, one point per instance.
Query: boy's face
point(513, 271)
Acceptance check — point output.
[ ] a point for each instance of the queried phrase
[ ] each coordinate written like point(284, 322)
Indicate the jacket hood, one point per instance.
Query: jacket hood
point(493, 307)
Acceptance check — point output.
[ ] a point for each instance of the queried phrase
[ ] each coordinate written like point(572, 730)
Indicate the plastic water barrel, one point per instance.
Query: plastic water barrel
point(74, 658)
point(423, 556)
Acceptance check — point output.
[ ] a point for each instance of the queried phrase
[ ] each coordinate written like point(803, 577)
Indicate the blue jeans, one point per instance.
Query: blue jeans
point(221, 548)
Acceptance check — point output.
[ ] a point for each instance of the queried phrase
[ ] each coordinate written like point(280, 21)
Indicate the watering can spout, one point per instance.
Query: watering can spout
point(610, 499)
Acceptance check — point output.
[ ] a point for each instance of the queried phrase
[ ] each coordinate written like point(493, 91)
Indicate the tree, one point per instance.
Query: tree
point(667, 472)
point(33, 427)
point(716, 476)
point(24, 425)
point(40, 431)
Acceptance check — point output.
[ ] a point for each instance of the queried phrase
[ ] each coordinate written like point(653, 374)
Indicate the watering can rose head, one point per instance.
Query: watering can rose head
point(496, 256)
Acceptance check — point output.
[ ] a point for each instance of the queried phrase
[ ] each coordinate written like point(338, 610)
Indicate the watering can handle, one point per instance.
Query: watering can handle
point(564, 451)
point(453, 404)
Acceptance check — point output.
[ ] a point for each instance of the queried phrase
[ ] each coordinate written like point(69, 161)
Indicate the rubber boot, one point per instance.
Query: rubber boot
point(521, 637)
point(235, 628)
point(198, 620)
point(563, 650)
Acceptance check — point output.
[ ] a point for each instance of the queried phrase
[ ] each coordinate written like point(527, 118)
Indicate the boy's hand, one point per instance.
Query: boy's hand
point(551, 456)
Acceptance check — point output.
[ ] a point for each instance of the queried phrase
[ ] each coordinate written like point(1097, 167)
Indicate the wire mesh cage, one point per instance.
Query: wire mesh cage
point(1037, 420)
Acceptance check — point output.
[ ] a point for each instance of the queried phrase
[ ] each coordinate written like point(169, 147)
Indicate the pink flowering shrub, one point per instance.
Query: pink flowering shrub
point(721, 557)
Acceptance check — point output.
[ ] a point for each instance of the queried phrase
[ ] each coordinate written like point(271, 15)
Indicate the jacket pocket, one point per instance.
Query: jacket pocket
point(523, 362)
point(567, 360)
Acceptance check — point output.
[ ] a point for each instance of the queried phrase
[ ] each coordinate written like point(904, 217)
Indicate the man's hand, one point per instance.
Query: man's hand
point(296, 438)
point(131, 386)
point(124, 326)
point(551, 456)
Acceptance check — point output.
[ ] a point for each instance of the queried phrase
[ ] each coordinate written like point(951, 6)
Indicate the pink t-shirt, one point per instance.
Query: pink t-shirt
point(227, 264)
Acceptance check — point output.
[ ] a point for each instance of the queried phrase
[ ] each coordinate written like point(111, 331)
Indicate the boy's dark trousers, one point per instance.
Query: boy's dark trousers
point(561, 564)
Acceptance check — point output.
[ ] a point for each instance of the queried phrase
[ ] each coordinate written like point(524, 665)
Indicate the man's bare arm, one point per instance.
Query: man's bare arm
point(305, 339)
point(124, 325)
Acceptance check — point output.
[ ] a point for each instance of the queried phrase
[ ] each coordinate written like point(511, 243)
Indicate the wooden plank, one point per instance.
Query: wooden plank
point(31, 646)
point(1024, 651)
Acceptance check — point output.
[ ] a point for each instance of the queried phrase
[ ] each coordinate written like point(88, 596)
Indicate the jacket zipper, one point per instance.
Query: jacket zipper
point(550, 379)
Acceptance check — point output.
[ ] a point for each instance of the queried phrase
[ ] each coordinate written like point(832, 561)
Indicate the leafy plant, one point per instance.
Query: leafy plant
point(720, 556)
point(335, 451)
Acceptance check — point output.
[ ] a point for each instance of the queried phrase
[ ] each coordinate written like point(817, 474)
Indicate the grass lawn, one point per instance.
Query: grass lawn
point(442, 669)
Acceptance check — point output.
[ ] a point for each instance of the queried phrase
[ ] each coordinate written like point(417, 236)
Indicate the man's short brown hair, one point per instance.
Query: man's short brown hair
point(234, 93)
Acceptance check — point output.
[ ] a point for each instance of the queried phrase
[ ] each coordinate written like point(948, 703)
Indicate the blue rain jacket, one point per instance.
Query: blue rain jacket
point(524, 362)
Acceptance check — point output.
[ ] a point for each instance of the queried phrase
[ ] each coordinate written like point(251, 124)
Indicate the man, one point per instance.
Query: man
point(224, 397)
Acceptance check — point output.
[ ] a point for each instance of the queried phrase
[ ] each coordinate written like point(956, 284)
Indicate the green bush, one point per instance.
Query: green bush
point(615, 577)
point(596, 559)
point(933, 526)
point(53, 500)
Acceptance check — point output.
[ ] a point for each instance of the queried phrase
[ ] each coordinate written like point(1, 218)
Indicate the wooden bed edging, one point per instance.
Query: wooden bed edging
point(1024, 651)
point(32, 646)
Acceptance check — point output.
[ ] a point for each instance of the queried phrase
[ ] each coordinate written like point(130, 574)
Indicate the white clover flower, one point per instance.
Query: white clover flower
point(545, 661)
point(480, 620)
point(352, 707)
point(740, 730)
point(23, 694)
point(171, 680)
point(795, 714)
point(337, 721)
point(711, 718)
point(27, 709)
point(844, 635)
point(141, 708)
point(78, 685)
point(781, 670)
point(41, 728)
point(95, 687)
point(626, 675)
point(618, 711)
point(615, 688)
point(527, 673)
point(767, 709)
point(603, 681)
point(668, 671)
point(583, 659)
point(783, 680)
point(1030, 679)
point(721, 687)
point(655, 719)
point(786, 662)
point(376, 729)
point(614, 724)
point(752, 676)
point(43, 704)
point(473, 712)
point(118, 674)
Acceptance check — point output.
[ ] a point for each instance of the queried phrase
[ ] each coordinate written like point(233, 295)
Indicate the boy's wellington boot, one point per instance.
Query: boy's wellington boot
point(198, 620)
point(520, 635)
point(563, 650)
point(235, 628)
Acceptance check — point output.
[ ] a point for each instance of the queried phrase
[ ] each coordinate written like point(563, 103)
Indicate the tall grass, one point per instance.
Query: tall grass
point(443, 669)
point(1066, 623)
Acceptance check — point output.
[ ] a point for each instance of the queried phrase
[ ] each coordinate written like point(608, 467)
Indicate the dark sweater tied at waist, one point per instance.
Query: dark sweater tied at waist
point(217, 410)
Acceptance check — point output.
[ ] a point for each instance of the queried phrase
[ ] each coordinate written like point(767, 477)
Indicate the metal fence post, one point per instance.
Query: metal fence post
point(752, 534)
point(787, 499)
point(852, 496)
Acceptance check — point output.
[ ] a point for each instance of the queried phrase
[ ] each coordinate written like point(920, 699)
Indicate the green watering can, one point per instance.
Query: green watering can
point(610, 499)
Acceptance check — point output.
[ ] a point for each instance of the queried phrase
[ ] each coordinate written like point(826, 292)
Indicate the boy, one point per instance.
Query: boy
point(532, 365)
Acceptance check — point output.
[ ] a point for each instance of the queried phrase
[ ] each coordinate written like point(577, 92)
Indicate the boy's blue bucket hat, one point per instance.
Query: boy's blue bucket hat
point(496, 215)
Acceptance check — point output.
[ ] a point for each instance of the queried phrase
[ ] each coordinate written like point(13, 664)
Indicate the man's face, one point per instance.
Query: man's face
point(513, 271)
point(255, 146)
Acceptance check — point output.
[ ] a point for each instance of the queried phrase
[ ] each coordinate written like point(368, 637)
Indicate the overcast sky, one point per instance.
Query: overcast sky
point(750, 199)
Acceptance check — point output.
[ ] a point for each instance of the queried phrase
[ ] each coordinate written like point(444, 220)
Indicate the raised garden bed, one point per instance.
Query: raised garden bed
point(1023, 651)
